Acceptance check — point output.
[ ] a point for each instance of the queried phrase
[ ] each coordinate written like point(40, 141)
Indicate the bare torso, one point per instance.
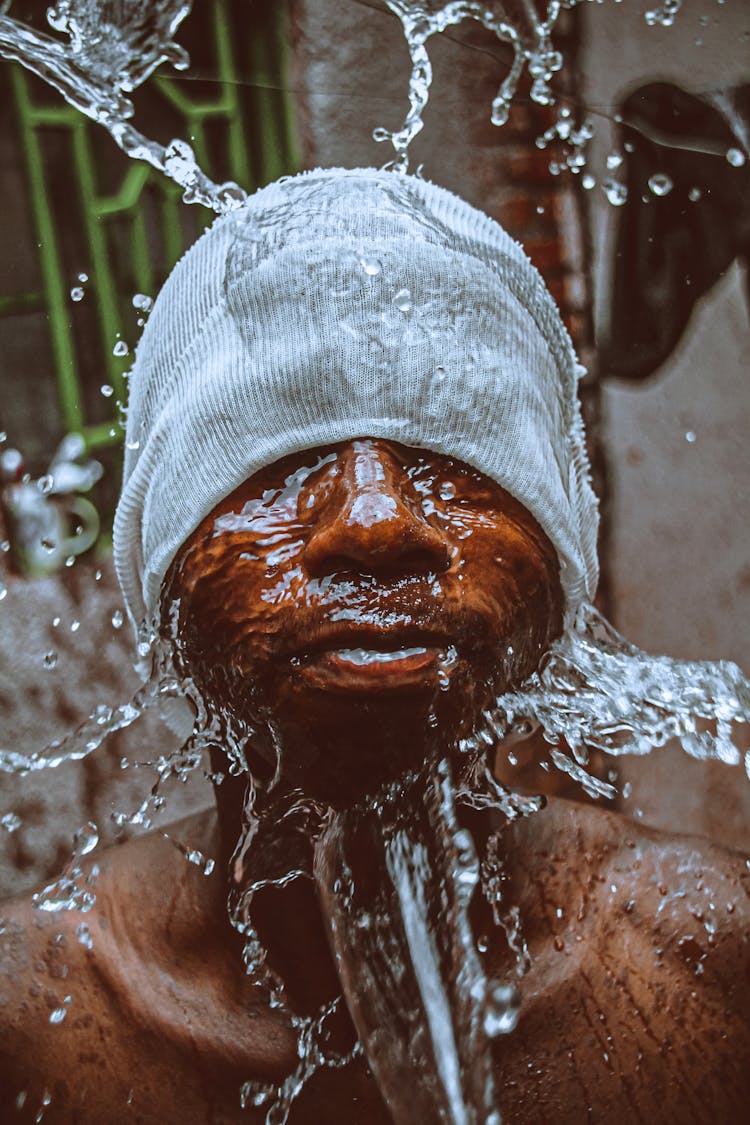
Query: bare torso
point(635, 1007)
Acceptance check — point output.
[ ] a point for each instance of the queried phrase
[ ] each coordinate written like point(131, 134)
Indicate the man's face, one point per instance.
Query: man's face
point(363, 600)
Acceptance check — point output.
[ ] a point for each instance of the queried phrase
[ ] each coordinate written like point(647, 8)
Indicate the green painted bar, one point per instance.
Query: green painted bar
point(104, 287)
point(128, 195)
point(263, 115)
point(56, 292)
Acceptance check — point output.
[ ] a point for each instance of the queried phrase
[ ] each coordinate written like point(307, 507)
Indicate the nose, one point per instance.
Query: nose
point(372, 521)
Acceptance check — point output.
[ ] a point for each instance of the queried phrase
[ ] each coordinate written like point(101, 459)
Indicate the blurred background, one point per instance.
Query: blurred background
point(632, 196)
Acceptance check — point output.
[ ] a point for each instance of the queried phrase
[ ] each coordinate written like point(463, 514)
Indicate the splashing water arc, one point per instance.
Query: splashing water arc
point(513, 22)
point(111, 50)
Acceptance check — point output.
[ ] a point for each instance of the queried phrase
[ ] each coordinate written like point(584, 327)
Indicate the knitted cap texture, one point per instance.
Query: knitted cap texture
point(346, 303)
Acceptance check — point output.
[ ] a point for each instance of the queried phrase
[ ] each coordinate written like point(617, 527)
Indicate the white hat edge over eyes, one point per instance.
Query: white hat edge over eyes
point(272, 335)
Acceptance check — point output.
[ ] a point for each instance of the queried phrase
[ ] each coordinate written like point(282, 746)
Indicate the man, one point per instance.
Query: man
point(356, 505)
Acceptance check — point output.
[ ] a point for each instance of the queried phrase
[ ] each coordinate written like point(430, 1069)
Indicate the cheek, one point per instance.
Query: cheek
point(510, 581)
point(235, 608)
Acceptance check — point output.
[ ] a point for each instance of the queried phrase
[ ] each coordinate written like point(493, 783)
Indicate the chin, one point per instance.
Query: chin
point(342, 746)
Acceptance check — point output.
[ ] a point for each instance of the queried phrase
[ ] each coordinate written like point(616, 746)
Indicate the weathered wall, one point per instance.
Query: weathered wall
point(39, 703)
point(679, 548)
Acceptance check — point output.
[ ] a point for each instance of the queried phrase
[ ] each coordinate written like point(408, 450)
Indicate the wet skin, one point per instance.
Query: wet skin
point(635, 1007)
point(365, 595)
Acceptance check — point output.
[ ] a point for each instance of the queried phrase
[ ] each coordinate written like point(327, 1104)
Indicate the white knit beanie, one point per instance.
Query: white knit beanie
point(345, 303)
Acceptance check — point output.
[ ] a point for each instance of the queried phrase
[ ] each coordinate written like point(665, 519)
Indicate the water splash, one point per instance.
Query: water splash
point(72, 890)
point(92, 732)
point(596, 691)
point(664, 15)
point(314, 1054)
point(111, 49)
point(512, 21)
point(573, 139)
point(396, 875)
point(395, 879)
point(276, 848)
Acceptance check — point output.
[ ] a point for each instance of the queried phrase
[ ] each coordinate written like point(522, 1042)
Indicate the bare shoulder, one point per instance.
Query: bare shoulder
point(133, 986)
point(599, 863)
point(637, 995)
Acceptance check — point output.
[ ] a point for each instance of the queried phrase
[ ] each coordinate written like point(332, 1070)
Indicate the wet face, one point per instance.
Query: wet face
point(361, 602)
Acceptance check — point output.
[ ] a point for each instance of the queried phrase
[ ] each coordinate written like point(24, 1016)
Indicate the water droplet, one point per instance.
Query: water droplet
point(76, 293)
point(402, 301)
point(588, 181)
point(660, 183)
point(120, 348)
point(3, 591)
point(57, 1015)
point(75, 625)
point(614, 160)
point(84, 936)
point(690, 435)
point(665, 15)
point(50, 659)
point(371, 266)
point(10, 822)
point(447, 490)
point(46, 483)
point(736, 157)
point(105, 388)
point(694, 194)
point(133, 444)
point(615, 192)
point(86, 838)
point(83, 278)
point(503, 1007)
point(117, 619)
point(143, 302)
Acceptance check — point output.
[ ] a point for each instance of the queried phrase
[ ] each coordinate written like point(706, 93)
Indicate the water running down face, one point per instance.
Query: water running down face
point(366, 601)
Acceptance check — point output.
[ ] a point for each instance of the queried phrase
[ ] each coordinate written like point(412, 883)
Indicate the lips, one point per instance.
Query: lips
point(373, 661)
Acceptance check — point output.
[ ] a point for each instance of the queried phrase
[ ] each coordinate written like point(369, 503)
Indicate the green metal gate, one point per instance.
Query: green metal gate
point(94, 229)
